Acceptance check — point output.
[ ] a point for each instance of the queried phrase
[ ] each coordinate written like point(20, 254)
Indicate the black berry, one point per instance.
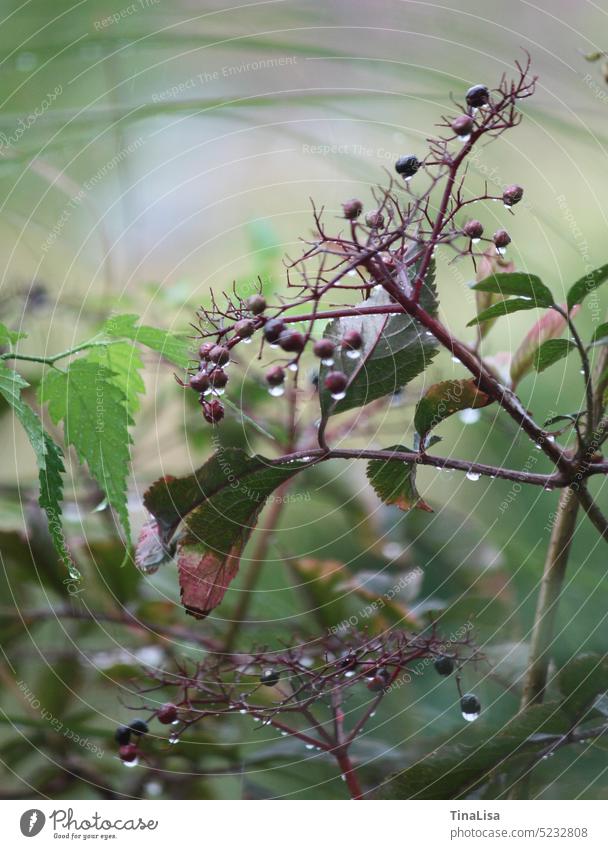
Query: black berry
point(478, 96)
point(352, 340)
point(257, 304)
point(336, 382)
point(219, 354)
point(463, 125)
point(245, 328)
point(218, 378)
point(205, 349)
point(167, 714)
point(324, 349)
point(292, 341)
point(138, 727)
point(501, 238)
point(269, 677)
point(407, 166)
point(273, 329)
point(473, 229)
point(470, 704)
point(199, 381)
point(122, 735)
point(275, 376)
point(512, 195)
point(444, 665)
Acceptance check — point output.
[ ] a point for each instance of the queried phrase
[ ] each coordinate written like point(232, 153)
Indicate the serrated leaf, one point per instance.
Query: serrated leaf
point(396, 349)
point(125, 362)
point(581, 681)
point(517, 283)
point(579, 290)
point(49, 459)
point(96, 421)
point(454, 770)
point(444, 399)
point(217, 508)
point(10, 336)
point(394, 482)
point(171, 346)
point(549, 326)
point(503, 308)
point(551, 352)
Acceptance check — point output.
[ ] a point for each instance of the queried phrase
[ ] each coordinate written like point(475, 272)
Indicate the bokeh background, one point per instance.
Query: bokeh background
point(175, 149)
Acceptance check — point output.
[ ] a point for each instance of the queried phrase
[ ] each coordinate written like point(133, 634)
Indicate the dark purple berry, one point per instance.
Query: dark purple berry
point(463, 125)
point(336, 382)
point(218, 378)
point(324, 349)
point(407, 166)
point(213, 411)
point(138, 727)
point(122, 735)
point(512, 195)
point(269, 677)
point(204, 350)
point(444, 665)
point(275, 376)
point(478, 96)
point(199, 381)
point(219, 354)
point(501, 238)
point(377, 684)
point(167, 714)
point(257, 304)
point(473, 229)
point(352, 340)
point(128, 752)
point(245, 328)
point(273, 329)
point(352, 208)
point(292, 341)
point(374, 219)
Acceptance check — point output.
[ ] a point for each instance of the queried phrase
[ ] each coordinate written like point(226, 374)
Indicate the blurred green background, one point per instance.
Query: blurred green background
point(152, 151)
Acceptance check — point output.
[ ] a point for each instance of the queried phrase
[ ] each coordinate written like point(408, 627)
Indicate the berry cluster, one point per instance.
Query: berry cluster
point(128, 750)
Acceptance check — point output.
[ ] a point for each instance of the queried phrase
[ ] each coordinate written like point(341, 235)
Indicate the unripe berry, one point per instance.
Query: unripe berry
point(199, 381)
point(167, 714)
point(219, 354)
point(213, 411)
point(374, 219)
point(275, 376)
point(478, 96)
point(473, 229)
point(273, 329)
point(205, 349)
point(352, 208)
point(245, 328)
point(336, 382)
point(407, 166)
point(292, 341)
point(324, 349)
point(501, 238)
point(257, 304)
point(128, 752)
point(352, 340)
point(218, 378)
point(138, 727)
point(269, 677)
point(463, 125)
point(444, 665)
point(512, 195)
point(122, 735)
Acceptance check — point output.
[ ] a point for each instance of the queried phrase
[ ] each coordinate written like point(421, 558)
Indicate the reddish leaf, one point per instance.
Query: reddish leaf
point(549, 326)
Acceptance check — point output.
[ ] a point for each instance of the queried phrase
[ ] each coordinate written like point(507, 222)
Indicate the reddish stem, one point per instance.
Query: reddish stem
point(348, 773)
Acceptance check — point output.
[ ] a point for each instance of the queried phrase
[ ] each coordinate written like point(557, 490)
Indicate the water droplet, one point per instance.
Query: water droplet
point(327, 362)
point(293, 366)
point(372, 714)
point(337, 396)
point(255, 719)
point(407, 179)
point(217, 391)
point(175, 722)
point(153, 788)
point(247, 341)
point(276, 391)
point(465, 139)
point(475, 241)
point(550, 438)
point(309, 746)
point(501, 251)
point(174, 739)
point(274, 345)
point(343, 777)
point(506, 206)
point(349, 674)
point(427, 333)
point(305, 459)
point(470, 717)
point(353, 355)
point(455, 360)
point(473, 476)
point(283, 733)
point(130, 764)
point(582, 371)
point(469, 416)
point(243, 710)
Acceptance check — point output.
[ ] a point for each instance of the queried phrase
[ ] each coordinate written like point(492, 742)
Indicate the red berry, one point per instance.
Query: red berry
point(352, 340)
point(473, 229)
point(257, 304)
point(336, 382)
point(218, 378)
point(512, 195)
point(324, 349)
point(292, 341)
point(275, 376)
point(219, 354)
point(501, 238)
point(463, 125)
point(205, 349)
point(128, 752)
point(245, 328)
point(199, 381)
point(167, 714)
point(374, 219)
point(273, 329)
point(377, 684)
point(352, 208)
point(213, 411)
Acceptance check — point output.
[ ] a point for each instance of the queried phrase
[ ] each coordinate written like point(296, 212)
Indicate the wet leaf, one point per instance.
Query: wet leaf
point(444, 399)
point(394, 482)
point(579, 290)
point(551, 352)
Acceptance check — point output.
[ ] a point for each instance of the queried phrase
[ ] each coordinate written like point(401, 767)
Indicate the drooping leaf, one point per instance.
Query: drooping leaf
point(454, 770)
point(600, 337)
point(125, 362)
point(581, 681)
point(396, 349)
point(171, 346)
point(9, 336)
point(96, 421)
point(579, 290)
point(217, 508)
point(394, 482)
point(49, 459)
point(549, 326)
point(520, 284)
point(503, 308)
point(551, 352)
point(444, 399)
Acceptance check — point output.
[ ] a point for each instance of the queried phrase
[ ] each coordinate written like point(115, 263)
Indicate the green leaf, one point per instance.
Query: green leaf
point(503, 308)
point(96, 420)
point(394, 482)
point(9, 336)
point(172, 347)
point(600, 337)
point(581, 681)
point(517, 283)
point(396, 349)
point(125, 362)
point(454, 770)
point(444, 399)
point(579, 290)
point(49, 459)
point(217, 508)
point(551, 352)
